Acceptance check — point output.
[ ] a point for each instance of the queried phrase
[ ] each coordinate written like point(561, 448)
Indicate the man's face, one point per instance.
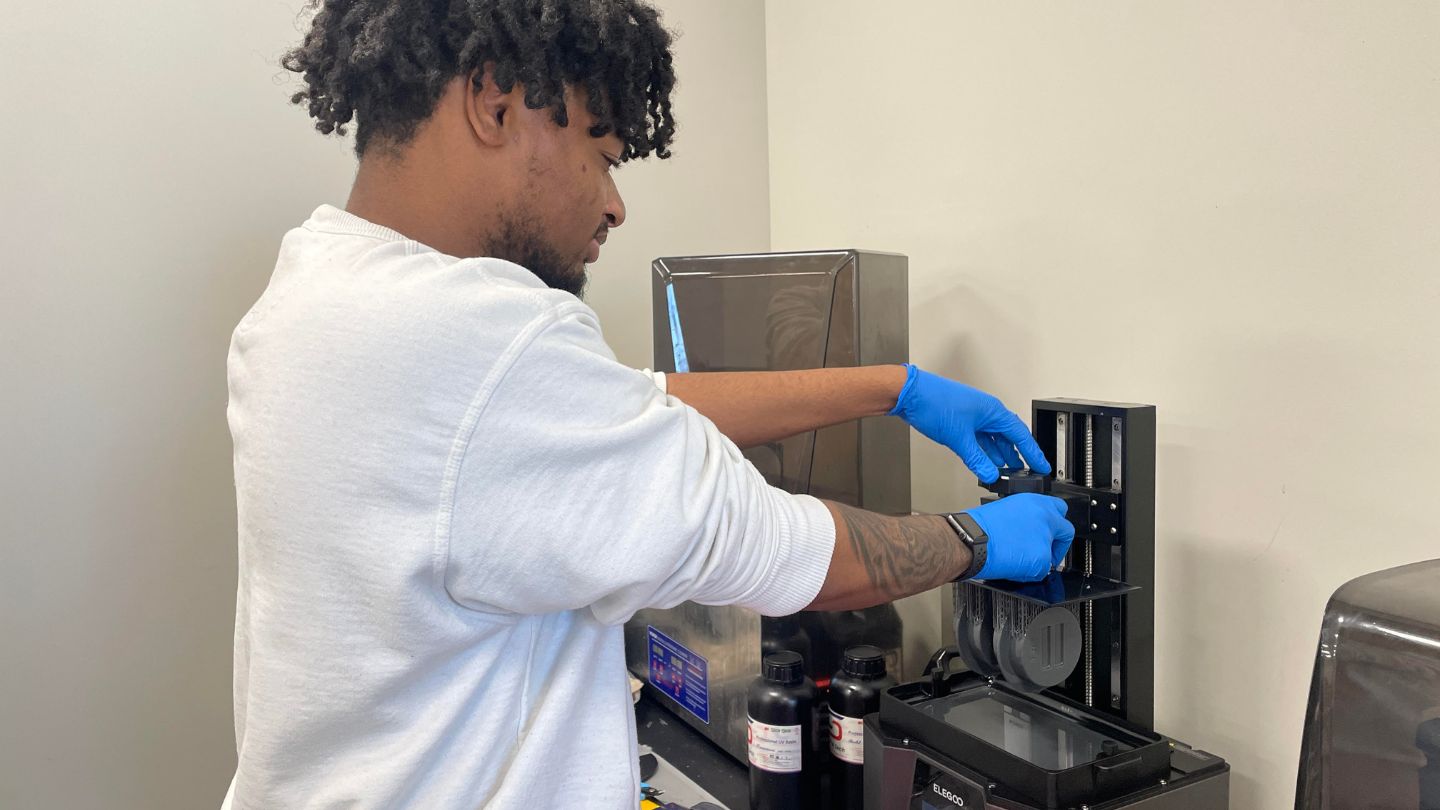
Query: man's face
point(566, 200)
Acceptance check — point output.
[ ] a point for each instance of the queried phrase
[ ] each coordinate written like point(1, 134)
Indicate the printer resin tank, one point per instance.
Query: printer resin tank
point(775, 312)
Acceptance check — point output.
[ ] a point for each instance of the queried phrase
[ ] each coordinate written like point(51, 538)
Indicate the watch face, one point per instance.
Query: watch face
point(957, 522)
point(971, 527)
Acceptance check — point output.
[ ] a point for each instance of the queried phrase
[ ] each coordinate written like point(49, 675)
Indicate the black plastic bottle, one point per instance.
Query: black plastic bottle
point(781, 705)
point(849, 628)
point(854, 692)
point(786, 634)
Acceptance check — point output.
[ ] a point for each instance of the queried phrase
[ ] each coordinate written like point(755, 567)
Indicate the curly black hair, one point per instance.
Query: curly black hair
point(385, 63)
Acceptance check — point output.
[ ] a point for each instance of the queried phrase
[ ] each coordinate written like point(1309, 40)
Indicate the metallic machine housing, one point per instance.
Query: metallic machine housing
point(771, 312)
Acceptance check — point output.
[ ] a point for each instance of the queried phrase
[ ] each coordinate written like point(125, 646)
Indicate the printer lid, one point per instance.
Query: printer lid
point(1372, 731)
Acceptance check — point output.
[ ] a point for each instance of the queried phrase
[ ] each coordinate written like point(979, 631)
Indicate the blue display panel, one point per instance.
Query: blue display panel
point(679, 673)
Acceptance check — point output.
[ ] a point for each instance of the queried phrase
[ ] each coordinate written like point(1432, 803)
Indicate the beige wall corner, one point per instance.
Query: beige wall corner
point(151, 163)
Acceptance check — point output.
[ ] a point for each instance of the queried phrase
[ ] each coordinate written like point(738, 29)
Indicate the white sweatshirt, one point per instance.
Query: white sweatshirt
point(451, 497)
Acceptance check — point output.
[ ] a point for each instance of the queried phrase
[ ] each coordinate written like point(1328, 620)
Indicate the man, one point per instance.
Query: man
point(450, 494)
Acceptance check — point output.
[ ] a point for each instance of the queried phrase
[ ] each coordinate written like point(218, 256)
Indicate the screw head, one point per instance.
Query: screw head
point(1114, 507)
point(1163, 783)
point(1116, 425)
point(1094, 502)
point(1114, 530)
point(905, 741)
point(1094, 526)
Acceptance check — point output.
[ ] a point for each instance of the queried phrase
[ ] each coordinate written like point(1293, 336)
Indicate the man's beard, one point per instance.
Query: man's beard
point(519, 244)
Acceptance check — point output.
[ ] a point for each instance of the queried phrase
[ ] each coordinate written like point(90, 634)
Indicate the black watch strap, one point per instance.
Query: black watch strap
point(974, 539)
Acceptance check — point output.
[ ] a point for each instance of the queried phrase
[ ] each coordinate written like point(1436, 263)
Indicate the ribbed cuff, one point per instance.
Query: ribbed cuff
point(807, 542)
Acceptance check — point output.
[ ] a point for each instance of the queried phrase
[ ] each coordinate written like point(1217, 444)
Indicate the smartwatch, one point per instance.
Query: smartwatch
point(974, 539)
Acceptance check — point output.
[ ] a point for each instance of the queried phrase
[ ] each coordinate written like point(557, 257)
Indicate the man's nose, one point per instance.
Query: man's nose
point(615, 208)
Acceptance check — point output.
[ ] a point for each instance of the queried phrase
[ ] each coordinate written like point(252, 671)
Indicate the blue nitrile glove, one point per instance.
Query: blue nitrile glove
point(981, 431)
point(1028, 533)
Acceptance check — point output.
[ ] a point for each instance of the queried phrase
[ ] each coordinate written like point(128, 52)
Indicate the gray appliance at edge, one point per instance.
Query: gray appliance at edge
point(1372, 729)
point(772, 312)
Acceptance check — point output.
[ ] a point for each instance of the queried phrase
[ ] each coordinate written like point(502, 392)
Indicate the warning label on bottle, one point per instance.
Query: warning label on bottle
point(777, 749)
point(847, 738)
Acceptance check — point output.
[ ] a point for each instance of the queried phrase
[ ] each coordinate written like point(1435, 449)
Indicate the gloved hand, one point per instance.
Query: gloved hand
point(1028, 533)
point(974, 424)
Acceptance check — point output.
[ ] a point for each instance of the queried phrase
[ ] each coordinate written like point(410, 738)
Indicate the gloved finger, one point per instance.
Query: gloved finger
point(1063, 532)
point(992, 448)
point(1019, 435)
point(969, 452)
point(1060, 527)
point(1008, 457)
point(1059, 548)
point(1061, 507)
point(1035, 570)
point(1027, 575)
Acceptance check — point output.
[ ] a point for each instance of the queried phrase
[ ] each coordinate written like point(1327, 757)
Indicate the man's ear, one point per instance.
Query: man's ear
point(486, 108)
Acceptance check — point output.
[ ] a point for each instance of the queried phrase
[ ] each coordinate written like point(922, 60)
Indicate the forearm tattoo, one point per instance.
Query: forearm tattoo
point(904, 555)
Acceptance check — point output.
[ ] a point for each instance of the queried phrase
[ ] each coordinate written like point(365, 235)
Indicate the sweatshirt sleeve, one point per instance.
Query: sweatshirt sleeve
point(584, 486)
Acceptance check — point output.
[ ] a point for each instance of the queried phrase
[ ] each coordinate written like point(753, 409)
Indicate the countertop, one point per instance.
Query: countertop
point(692, 754)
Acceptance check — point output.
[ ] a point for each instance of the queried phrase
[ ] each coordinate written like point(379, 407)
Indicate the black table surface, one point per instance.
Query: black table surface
point(692, 753)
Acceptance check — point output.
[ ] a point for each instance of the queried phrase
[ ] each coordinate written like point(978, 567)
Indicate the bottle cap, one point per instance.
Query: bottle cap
point(864, 661)
point(784, 667)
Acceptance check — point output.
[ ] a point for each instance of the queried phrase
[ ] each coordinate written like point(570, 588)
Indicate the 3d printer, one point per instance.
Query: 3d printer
point(1057, 706)
point(775, 312)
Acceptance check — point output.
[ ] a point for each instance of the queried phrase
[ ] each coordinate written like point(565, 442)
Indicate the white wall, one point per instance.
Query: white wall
point(1228, 209)
point(149, 164)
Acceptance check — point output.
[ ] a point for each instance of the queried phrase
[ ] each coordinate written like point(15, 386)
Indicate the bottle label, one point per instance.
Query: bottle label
point(847, 738)
point(776, 749)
